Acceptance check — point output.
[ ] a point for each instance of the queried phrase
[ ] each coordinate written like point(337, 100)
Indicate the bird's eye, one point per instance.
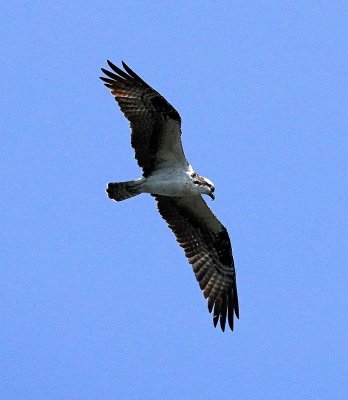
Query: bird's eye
point(197, 182)
point(212, 189)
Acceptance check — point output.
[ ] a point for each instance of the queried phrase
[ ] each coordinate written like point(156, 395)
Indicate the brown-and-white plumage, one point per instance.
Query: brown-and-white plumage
point(177, 188)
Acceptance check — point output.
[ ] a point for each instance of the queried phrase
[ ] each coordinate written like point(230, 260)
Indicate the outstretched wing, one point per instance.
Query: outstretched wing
point(155, 124)
point(208, 248)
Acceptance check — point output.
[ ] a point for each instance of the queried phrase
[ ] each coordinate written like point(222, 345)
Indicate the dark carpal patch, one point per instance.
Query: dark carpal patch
point(162, 106)
point(222, 245)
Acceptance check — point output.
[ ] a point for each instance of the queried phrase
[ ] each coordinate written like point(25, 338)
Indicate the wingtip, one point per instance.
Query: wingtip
point(236, 302)
point(222, 325)
point(113, 67)
point(215, 320)
point(105, 81)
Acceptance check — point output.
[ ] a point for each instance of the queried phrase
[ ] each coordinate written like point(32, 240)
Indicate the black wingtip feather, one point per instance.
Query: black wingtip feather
point(231, 320)
point(231, 311)
point(235, 301)
point(127, 69)
point(118, 70)
point(215, 319)
point(210, 305)
point(122, 75)
point(107, 80)
point(133, 74)
point(109, 74)
point(223, 313)
point(224, 310)
point(113, 66)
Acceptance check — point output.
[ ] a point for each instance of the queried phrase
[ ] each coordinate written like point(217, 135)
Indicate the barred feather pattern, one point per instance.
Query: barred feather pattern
point(149, 114)
point(208, 249)
point(120, 191)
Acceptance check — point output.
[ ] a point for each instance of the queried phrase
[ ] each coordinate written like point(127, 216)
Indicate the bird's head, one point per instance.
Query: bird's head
point(204, 185)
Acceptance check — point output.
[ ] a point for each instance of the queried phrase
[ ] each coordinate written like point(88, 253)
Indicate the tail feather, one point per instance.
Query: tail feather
point(119, 191)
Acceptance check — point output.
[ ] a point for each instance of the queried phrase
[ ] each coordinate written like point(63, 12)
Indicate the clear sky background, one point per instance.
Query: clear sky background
point(97, 299)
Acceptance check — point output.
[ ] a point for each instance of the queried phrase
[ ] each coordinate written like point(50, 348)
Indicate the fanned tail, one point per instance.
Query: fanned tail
point(119, 191)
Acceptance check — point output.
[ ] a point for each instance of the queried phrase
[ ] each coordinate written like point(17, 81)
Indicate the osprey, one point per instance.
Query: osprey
point(177, 188)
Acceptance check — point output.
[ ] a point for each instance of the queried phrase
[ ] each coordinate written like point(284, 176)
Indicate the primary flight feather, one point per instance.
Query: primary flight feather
point(177, 188)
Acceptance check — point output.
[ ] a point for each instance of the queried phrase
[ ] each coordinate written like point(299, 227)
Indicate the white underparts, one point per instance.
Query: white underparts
point(171, 182)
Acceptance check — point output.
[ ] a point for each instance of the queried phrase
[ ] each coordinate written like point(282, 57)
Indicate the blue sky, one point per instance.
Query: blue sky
point(98, 301)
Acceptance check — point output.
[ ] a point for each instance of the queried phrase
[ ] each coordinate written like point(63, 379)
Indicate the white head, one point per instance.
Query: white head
point(204, 185)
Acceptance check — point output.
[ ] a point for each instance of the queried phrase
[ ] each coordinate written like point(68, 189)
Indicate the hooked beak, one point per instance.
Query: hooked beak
point(211, 195)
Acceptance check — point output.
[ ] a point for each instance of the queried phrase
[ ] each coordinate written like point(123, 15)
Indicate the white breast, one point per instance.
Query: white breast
point(170, 182)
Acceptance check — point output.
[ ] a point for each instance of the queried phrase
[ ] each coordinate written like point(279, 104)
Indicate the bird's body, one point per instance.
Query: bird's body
point(170, 182)
point(178, 189)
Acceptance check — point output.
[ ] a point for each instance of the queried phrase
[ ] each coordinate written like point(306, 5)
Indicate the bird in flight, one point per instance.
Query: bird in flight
point(177, 188)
